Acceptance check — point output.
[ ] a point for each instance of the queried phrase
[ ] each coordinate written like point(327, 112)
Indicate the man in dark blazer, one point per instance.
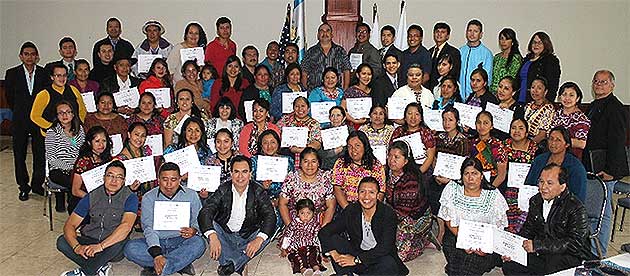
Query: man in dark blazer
point(388, 36)
point(371, 226)
point(68, 51)
point(238, 219)
point(384, 86)
point(441, 34)
point(120, 45)
point(22, 83)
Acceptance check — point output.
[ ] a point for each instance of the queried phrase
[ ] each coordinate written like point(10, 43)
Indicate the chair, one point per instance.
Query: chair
point(621, 188)
point(595, 205)
point(50, 188)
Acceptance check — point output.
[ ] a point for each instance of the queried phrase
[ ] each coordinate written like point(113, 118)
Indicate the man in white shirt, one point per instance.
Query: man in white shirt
point(238, 219)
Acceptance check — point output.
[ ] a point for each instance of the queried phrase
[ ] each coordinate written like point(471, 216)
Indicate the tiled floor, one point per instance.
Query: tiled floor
point(27, 247)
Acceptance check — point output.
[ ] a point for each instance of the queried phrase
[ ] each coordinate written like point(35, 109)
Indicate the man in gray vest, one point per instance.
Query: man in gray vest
point(111, 209)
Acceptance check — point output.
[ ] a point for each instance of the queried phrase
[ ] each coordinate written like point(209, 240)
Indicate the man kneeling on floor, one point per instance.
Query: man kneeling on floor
point(238, 219)
point(111, 210)
point(168, 246)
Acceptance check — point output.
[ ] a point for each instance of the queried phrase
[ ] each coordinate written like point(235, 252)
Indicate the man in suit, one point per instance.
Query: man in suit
point(441, 34)
point(22, 83)
point(371, 227)
point(104, 68)
point(388, 36)
point(68, 51)
point(238, 219)
point(384, 86)
point(120, 46)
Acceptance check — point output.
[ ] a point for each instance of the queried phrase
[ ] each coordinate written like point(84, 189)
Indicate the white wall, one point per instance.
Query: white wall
point(587, 35)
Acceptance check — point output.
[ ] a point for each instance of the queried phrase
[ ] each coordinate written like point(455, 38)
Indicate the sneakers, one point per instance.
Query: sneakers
point(104, 270)
point(75, 272)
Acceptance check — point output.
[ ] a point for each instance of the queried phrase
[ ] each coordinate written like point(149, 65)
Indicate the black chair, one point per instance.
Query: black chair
point(621, 188)
point(595, 205)
point(51, 188)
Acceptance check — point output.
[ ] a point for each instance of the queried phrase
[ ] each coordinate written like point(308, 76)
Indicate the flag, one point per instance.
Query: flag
point(375, 39)
point(285, 35)
point(401, 33)
point(298, 25)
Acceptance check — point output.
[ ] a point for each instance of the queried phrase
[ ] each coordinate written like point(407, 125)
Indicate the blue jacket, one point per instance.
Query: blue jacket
point(577, 173)
point(471, 58)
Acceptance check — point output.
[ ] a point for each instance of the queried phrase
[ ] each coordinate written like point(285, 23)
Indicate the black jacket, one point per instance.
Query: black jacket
point(566, 230)
point(457, 63)
point(547, 66)
point(259, 213)
point(19, 99)
point(486, 98)
point(382, 89)
point(110, 84)
point(123, 48)
point(384, 226)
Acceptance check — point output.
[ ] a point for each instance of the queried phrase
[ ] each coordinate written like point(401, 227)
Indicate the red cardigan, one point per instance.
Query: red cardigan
point(233, 94)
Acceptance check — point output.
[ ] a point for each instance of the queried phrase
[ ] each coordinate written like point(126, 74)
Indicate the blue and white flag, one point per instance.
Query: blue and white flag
point(298, 29)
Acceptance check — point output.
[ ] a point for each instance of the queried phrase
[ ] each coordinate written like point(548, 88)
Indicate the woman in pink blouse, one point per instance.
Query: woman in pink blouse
point(571, 117)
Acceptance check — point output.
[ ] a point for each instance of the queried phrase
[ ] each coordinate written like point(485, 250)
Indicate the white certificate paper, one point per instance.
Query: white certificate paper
point(396, 107)
point(144, 62)
point(415, 142)
point(359, 108)
point(141, 169)
point(517, 172)
point(294, 136)
point(208, 177)
point(319, 111)
point(355, 60)
point(117, 144)
point(249, 111)
point(155, 143)
point(185, 158)
point(433, 119)
point(334, 137)
point(272, 168)
point(380, 152)
point(288, 98)
point(93, 178)
point(448, 165)
point(128, 97)
point(526, 192)
point(475, 235)
point(179, 126)
point(192, 54)
point(511, 245)
point(162, 96)
point(89, 101)
point(171, 215)
point(467, 114)
point(501, 118)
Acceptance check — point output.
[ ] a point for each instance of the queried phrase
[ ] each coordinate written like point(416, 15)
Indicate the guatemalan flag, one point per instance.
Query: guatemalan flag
point(298, 36)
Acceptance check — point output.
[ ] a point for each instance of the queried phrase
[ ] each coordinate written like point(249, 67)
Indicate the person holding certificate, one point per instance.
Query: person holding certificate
point(185, 108)
point(488, 150)
point(225, 116)
point(238, 220)
point(362, 89)
point(556, 229)
point(413, 123)
point(159, 76)
point(540, 111)
point(111, 210)
point(292, 83)
point(224, 144)
point(95, 151)
point(448, 91)
point(300, 118)
point(572, 118)
point(414, 88)
point(269, 144)
point(193, 133)
point(337, 116)
point(154, 44)
point(194, 36)
point(260, 89)
point(172, 237)
point(248, 141)
point(147, 114)
point(192, 82)
point(473, 199)
point(480, 95)
point(356, 163)
point(329, 91)
point(405, 193)
point(378, 129)
point(105, 116)
point(505, 94)
point(121, 80)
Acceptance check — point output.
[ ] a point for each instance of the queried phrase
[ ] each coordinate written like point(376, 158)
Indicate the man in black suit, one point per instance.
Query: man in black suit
point(22, 83)
point(68, 51)
point(371, 227)
point(384, 86)
point(388, 36)
point(119, 45)
point(238, 219)
point(441, 34)
point(104, 68)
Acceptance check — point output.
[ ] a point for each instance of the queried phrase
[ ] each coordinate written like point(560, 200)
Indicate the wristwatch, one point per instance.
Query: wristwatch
point(357, 260)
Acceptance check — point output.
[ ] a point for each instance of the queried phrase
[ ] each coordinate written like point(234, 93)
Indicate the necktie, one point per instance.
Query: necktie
point(435, 53)
point(383, 51)
point(70, 71)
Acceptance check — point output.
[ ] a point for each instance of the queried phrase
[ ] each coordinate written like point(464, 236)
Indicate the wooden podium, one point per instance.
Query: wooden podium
point(343, 16)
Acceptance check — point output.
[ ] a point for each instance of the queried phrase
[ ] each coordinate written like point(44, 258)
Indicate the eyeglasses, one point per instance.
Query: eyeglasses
point(64, 113)
point(600, 82)
point(115, 177)
point(363, 31)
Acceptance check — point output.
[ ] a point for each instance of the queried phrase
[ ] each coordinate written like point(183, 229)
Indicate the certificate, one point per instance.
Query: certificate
point(192, 54)
point(475, 235)
point(171, 215)
point(448, 165)
point(117, 144)
point(467, 114)
point(185, 158)
point(526, 192)
point(144, 62)
point(501, 118)
point(93, 178)
point(355, 60)
point(128, 97)
point(204, 177)
point(396, 107)
point(88, 100)
point(288, 98)
point(415, 142)
point(249, 111)
point(272, 168)
point(511, 245)
point(433, 119)
point(162, 96)
point(319, 111)
point(179, 126)
point(155, 143)
point(359, 108)
point(141, 169)
point(517, 172)
point(380, 152)
point(334, 137)
point(488, 175)
point(294, 136)
point(212, 145)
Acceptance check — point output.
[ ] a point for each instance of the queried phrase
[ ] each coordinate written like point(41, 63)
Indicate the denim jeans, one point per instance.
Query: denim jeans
point(90, 266)
point(604, 233)
point(179, 252)
point(233, 248)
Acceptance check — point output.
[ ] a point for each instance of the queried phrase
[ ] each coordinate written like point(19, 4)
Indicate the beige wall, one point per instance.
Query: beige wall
point(587, 35)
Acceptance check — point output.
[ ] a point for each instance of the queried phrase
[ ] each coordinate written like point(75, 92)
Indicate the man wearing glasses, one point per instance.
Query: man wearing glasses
point(111, 209)
point(369, 53)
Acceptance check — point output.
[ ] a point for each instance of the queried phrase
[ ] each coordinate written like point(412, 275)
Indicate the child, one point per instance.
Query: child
point(208, 75)
point(300, 241)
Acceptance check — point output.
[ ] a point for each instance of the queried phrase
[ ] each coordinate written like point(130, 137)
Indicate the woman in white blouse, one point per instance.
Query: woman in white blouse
point(472, 199)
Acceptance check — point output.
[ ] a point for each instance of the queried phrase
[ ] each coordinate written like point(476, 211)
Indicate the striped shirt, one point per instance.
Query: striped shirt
point(62, 151)
point(315, 61)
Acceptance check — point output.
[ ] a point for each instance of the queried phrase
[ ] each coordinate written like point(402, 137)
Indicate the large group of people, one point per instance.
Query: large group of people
point(366, 204)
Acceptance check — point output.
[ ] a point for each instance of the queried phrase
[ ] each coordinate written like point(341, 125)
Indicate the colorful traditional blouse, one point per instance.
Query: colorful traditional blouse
point(314, 130)
point(155, 125)
point(539, 118)
point(511, 154)
point(516, 217)
point(84, 164)
point(171, 123)
point(459, 144)
point(347, 177)
point(320, 191)
point(235, 126)
point(428, 140)
point(248, 139)
point(404, 195)
point(275, 187)
point(577, 123)
point(145, 186)
point(378, 137)
point(301, 234)
point(202, 154)
point(489, 153)
point(489, 207)
point(226, 168)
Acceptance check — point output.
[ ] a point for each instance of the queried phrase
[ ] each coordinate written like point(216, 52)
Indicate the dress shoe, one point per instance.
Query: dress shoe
point(226, 269)
point(23, 196)
point(188, 270)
